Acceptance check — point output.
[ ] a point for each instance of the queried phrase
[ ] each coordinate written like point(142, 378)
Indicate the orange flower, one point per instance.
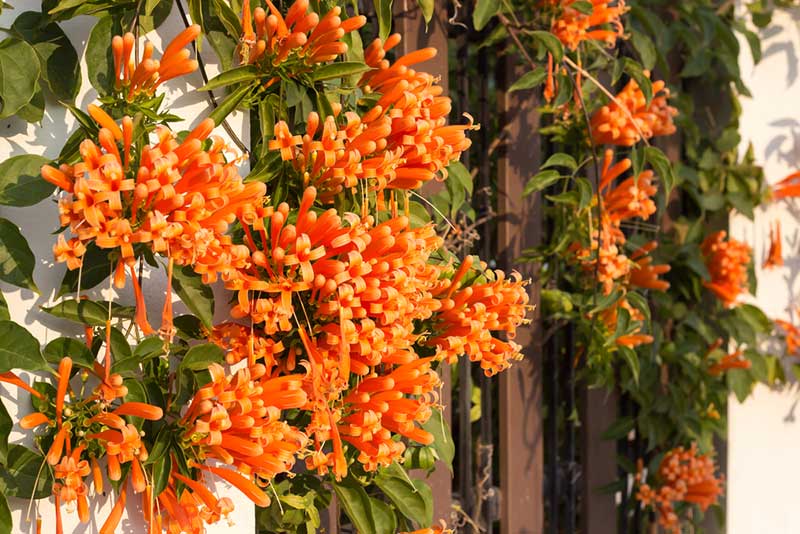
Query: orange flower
point(644, 274)
point(775, 256)
point(727, 264)
point(69, 486)
point(788, 187)
point(301, 39)
point(180, 202)
point(683, 476)
point(603, 24)
point(134, 79)
point(470, 315)
point(735, 360)
point(236, 420)
point(609, 318)
point(791, 335)
point(629, 118)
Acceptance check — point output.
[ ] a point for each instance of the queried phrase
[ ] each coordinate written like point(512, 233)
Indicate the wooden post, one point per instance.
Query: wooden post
point(599, 411)
point(519, 226)
point(409, 22)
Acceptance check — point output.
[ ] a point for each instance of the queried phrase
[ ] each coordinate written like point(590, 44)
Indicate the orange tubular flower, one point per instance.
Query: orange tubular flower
point(609, 318)
point(684, 476)
point(69, 486)
point(791, 335)
point(735, 360)
point(469, 315)
point(134, 79)
point(775, 256)
point(302, 37)
point(629, 118)
point(236, 420)
point(603, 24)
point(402, 142)
point(179, 202)
point(644, 274)
point(727, 263)
point(788, 187)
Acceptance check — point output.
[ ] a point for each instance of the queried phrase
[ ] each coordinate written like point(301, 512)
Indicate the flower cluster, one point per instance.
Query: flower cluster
point(573, 26)
point(684, 475)
point(141, 78)
point(727, 263)
point(630, 118)
point(299, 37)
point(401, 142)
point(88, 429)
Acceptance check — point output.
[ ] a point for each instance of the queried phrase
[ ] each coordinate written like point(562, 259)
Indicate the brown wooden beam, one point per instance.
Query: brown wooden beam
point(519, 227)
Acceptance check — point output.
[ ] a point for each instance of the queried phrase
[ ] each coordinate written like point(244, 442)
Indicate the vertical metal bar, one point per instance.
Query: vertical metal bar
point(552, 461)
point(519, 226)
point(571, 471)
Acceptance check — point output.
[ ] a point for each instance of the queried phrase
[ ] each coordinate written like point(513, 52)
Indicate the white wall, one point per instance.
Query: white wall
point(37, 224)
point(764, 432)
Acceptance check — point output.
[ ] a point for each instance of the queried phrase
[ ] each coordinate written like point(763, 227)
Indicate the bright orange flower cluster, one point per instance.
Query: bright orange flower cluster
point(402, 142)
point(85, 430)
point(236, 420)
point(727, 263)
point(301, 35)
point(135, 78)
point(603, 24)
point(734, 360)
point(630, 199)
point(684, 476)
point(179, 201)
point(629, 118)
point(468, 316)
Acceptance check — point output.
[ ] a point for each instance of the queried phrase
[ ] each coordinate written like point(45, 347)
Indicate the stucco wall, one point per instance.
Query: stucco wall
point(764, 432)
point(37, 224)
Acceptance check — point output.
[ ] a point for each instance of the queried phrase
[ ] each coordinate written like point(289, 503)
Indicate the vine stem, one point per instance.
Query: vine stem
point(211, 98)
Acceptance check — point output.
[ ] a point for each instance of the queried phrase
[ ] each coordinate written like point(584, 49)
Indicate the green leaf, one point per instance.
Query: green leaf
point(357, 506)
point(60, 67)
point(645, 48)
point(99, 59)
point(86, 312)
point(199, 357)
point(340, 69)
point(33, 111)
point(96, 268)
point(636, 72)
point(395, 483)
point(24, 475)
point(619, 428)
point(243, 73)
point(484, 11)
point(541, 181)
point(383, 11)
point(443, 443)
point(583, 6)
point(196, 295)
point(161, 472)
point(383, 517)
point(5, 315)
point(426, 6)
point(632, 359)
point(529, 80)
point(551, 43)
point(561, 160)
point(6, 424)
point(16, 259)
point(55, 351)
point(662, 166)
point(19, 75)
point(189, 327)
point(19, 349)
point(459, 173)
point(21, 183)
point(230, 103)
point(6, 524)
